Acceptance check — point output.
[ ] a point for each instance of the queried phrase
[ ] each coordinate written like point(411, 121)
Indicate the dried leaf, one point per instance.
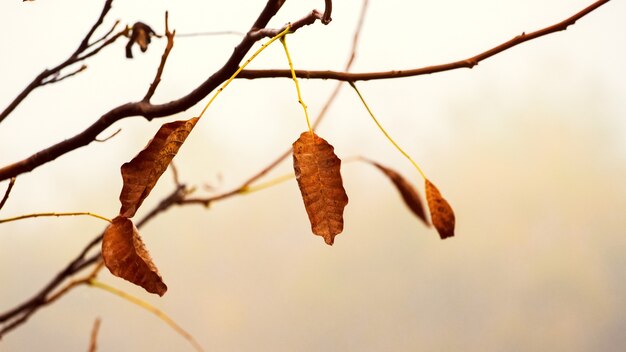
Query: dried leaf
point(141, 34)
point(125, 255)
point(440, 211)
point(317, 170)
point(407, 191)
point(142, 173)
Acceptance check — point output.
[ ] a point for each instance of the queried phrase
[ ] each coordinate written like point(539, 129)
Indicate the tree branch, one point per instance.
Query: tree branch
point(146, 109)
point(157, 78)
point(7, 193)
point(467, 63)
point(72, 59)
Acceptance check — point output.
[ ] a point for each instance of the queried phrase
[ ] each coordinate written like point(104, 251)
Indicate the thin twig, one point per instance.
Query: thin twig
point(72, 59)
point(166, 53)
point(93, 340)
point(57, 78)
point(8, 192)
point(309, 19)
point(467, 63)
point(109, 137)
point(36, 215)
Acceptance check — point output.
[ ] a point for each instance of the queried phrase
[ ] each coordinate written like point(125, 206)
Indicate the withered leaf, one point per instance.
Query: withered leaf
point(407, 191)
point(440, 211)
point(125, 255)
point(142, 173)
point(141, 34)
point(318, 174)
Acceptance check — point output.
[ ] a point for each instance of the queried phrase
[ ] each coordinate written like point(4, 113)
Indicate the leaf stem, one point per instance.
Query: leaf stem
point(385, 132)
point(36, 215)
point(283, 41)
point(268, 184)
point(278, 36)
point(147, 306)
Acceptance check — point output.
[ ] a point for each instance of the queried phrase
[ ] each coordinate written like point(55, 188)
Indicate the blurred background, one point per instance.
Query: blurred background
point(529, 147)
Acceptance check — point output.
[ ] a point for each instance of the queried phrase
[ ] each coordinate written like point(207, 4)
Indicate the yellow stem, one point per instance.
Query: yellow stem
point(278, 36)
point(147, 306)
point(283, 41)
point(385, 132)
point(54, 214)
point(268, 184)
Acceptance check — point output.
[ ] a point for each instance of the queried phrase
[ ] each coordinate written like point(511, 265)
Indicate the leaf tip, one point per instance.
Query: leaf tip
point(441, 212)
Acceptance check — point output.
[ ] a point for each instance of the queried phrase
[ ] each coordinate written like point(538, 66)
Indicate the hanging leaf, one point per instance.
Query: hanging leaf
point(142, 173)
point(318, 174)
point(407, 191)
point(440, 211)
point(141, 34)
point(125, 255)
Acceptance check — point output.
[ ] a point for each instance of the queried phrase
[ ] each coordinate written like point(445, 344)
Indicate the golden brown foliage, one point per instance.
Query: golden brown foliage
point(125, 255)
point(142, 173)
point(407, 191)
point(440, 211)
point(317, 170)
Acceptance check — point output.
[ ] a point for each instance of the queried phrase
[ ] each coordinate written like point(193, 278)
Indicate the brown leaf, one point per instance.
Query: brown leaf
point(126, 256)
point(318, 173)
point(407, 191)
point(440, 211)
point(142, 173)
point(141, 34)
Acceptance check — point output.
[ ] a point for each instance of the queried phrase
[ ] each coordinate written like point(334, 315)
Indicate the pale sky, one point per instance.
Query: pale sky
point(529, 147)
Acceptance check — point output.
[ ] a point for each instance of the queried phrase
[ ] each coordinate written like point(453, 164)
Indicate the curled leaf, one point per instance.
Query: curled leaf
point(440, 211)
point(125, 255)
point(142, 173)
point(318, 174)
point(407, 191)
point(140, 34)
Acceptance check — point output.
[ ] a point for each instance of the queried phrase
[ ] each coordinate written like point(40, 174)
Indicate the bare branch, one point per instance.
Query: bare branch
point(467, 63)
point(272, 32)
point(109, 137)
point(58, 78)
point(72, 59)
point(145, 109)
point(166, 53)
point(85, 43)
point(8, 191)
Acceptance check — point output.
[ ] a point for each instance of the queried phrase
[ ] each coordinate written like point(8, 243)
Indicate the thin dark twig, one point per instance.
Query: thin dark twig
point(467, 63)
point(8, 192)
point(72, 59)
point(109, 137)
point(307, 20)
point(85, 43)
point(57, 78)
point(106, 35)
point(166, 53)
